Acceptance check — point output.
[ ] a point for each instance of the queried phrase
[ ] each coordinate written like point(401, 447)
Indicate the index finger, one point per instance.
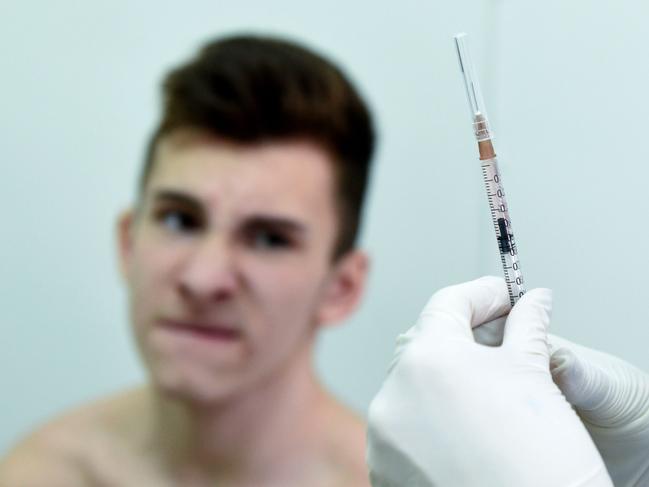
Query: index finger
point(453, 311)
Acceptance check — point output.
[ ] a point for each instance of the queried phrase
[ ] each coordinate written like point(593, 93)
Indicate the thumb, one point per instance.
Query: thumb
point(579, 381)
point(528, 322)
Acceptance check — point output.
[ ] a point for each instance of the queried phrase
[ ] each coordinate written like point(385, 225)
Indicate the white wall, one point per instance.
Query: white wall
point(79, 96)
point(571, 118)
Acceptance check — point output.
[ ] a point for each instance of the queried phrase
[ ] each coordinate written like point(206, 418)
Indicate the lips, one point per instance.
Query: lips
point(205, 330)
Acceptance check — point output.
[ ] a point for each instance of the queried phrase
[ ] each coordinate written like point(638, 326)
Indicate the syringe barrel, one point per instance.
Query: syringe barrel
point(503, 229)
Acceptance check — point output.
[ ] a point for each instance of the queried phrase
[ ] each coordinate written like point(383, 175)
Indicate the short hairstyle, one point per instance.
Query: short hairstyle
point(252, 89)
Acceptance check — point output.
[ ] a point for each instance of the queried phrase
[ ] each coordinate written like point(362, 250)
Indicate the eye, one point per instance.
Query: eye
point(177, 220)
point(265, 239)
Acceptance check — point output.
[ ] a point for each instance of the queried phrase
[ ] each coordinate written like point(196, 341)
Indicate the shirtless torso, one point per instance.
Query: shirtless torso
point(115, 442)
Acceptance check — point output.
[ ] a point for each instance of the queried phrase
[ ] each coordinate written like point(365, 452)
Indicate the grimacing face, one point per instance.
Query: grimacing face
point(227, 262)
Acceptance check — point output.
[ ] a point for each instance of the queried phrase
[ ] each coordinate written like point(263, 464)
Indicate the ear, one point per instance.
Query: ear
point(124, 231)
point(344, 289)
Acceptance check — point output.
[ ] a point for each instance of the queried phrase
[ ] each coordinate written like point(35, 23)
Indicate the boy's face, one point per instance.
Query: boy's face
point(228, 262)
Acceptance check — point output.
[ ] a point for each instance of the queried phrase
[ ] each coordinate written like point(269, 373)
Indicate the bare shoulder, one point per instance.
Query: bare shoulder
point(347, 432)
point(354, 440)
point(60, 452)
point(39, 461)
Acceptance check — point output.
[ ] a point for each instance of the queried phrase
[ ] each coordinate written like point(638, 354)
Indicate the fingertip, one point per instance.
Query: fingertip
point(540, 296)
point(539, 291)
point(559, 359)
point(529, 320)
point(468, 304)
point(492, 280)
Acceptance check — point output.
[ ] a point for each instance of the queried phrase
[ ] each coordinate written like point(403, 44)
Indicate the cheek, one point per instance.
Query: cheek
point(149, 278)
point(287, 299)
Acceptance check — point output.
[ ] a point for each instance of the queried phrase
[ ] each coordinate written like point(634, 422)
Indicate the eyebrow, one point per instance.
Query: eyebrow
point(256, 220)
point(279, 223)
point(178, 197)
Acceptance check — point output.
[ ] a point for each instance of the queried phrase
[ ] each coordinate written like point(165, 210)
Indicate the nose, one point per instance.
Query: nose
point(209, 273)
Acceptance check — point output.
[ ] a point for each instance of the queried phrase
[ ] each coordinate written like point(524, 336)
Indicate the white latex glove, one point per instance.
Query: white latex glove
point(612, 398)
point(453, 412)
point(610, 395)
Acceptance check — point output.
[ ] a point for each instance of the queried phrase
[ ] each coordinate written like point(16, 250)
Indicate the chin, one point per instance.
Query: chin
point(197, 389)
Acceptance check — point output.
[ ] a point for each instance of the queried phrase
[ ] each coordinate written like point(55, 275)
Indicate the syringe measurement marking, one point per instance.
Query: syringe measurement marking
point(504, 236)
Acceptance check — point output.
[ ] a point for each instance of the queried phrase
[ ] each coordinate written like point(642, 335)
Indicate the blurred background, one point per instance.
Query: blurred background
point(565, 86)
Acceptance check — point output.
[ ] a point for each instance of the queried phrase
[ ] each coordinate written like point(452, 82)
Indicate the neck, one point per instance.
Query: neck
point(273, 426)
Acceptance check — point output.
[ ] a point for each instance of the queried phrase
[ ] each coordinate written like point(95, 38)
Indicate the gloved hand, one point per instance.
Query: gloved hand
point(610, 395)
point(452, 412)
point(612, 398)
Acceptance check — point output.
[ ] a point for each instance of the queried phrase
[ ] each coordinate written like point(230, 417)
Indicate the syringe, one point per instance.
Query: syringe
point(493, 181)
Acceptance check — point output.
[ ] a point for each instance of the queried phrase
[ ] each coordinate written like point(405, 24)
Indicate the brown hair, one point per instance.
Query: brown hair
point(252, 89)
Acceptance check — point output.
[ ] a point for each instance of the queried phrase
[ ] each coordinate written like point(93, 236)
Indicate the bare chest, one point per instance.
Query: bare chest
point(120, 470)
point(111, 466)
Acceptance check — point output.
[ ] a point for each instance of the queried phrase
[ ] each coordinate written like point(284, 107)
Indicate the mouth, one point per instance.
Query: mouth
point(206, 331)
